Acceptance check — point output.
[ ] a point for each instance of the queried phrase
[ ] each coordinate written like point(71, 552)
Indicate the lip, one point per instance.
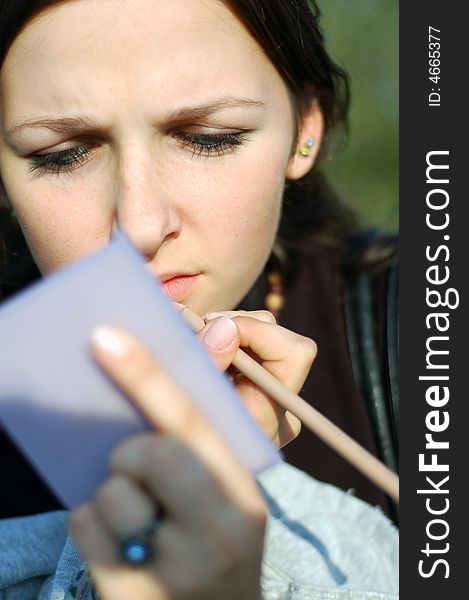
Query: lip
point(177, 287)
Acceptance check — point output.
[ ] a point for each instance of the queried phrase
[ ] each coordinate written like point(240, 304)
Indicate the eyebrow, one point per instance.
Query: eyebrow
point(61, 125)
point(209, 108)
point(82, 123)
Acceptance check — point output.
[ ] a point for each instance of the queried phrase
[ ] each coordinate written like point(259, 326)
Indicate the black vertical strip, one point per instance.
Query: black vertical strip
point(427, 127)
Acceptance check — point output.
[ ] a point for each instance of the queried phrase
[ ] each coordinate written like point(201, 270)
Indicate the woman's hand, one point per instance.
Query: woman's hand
point(209, 545)
point(285, 354)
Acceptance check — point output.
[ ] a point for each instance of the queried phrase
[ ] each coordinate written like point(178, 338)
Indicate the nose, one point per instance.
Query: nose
point(144, 210)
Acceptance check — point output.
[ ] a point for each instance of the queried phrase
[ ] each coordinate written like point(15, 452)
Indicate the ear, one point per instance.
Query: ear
point(311, 127)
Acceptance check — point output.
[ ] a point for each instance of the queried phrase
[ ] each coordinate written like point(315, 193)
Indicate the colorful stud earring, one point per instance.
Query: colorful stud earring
point(306, 150)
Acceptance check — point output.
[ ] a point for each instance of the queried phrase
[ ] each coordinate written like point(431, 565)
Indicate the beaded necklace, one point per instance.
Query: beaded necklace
point(274, 299)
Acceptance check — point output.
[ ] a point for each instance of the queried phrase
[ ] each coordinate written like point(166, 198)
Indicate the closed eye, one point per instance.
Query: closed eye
point(211, 144)
point(62, 161)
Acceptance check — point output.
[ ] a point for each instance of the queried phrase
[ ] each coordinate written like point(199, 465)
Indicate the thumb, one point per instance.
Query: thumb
point(220, 338)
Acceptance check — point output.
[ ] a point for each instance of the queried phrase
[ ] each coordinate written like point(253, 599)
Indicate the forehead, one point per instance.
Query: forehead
point(91, 51)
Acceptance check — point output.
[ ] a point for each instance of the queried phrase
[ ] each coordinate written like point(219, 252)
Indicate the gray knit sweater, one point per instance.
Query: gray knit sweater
point(321, 544)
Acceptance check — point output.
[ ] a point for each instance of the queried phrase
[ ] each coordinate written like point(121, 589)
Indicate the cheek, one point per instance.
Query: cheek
point(237, 220)
point(239, 202)
point(55, 243)
point(59, 225)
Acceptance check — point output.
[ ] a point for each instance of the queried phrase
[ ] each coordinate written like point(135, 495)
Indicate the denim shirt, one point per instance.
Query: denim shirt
point(321, 544)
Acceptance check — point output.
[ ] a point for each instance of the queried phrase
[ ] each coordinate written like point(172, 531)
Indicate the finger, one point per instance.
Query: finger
point(260, 315)
point(280, 425)
point(287, 355)
point(172, 474)
point(221, 537)
point(91, 536)
point(289, 429)
point(170, 410)
point(265, 411)
point(123, 507)
point(113, 579)
point(274, 345)
point(220, 338)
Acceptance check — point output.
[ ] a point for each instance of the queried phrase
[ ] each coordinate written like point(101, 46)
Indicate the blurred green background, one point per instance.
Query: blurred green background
point(362, 36)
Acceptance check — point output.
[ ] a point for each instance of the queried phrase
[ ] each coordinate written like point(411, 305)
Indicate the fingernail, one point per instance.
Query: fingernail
point(213, 315)
point(177, 305)
point(105, 338)
point(220, 334)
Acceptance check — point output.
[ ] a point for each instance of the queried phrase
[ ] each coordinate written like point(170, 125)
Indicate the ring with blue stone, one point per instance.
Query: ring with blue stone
point(137, 550)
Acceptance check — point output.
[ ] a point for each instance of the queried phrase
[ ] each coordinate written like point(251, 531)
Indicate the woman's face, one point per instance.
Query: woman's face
point(164, 118)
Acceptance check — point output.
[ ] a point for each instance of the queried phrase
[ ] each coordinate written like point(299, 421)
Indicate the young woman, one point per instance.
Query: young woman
point(195, 126)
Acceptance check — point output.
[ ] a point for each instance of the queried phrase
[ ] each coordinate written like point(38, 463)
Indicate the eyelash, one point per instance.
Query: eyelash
point(200, 144)
point(57, 162)
point(214, 144)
